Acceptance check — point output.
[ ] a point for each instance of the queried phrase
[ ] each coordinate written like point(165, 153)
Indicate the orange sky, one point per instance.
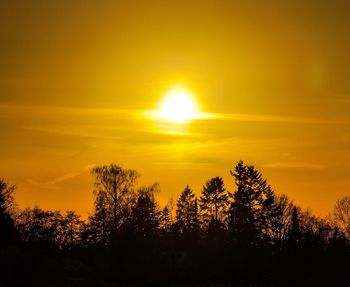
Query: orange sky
point(77, 76)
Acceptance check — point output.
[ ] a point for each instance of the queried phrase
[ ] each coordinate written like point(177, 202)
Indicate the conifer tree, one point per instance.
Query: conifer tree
point(145, 216)
point(294, 235)
point(165, 220)
point(214, 200)
point(99, 227)
point(7, 229)
point(187, 212)
point(252, 205)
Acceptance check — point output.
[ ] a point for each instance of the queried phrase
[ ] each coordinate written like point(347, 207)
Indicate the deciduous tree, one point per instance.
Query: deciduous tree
point(114, 187)
point(342, 215)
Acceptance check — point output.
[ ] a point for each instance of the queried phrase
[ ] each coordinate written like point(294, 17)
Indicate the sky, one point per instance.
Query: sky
point(78, 77)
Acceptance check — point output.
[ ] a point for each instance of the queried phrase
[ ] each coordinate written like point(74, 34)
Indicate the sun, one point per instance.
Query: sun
point(178, 106)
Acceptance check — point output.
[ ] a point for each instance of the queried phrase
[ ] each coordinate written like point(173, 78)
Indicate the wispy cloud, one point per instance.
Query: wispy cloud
point(271, 118)
point(82, 111)
point(295, 165)
point(53, 183)
point(139, 114)
point(344, 99)
point(82, 132)
point(250, 118)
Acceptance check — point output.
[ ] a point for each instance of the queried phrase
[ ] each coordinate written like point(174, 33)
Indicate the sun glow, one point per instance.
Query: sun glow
point(178, 106)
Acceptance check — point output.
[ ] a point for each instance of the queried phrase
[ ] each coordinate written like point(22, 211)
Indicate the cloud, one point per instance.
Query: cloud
point(80, 131)
point(249, 118)
point(52, 184)
point(344, 99)
point(270, 118)
point(294, 165)
point(138, 114)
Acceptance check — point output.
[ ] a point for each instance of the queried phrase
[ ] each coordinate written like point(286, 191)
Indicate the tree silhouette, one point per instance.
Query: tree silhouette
point(280, 220)
point(252, 205)
point(99, 227)
point(7, 230)
point(166, 217)
point(115, 185)
point(71, 225)
point(41, 227)
point(214, 199)
point(187, 217)
point(260, 239)
point(295, 233)
point(145, 214)
point(165, 220)
point(342, 215)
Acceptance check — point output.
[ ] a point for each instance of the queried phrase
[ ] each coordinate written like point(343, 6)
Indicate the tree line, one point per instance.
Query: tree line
point(247, 237)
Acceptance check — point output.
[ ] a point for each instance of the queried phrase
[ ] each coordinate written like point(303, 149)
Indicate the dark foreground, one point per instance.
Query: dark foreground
point(249, 237)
